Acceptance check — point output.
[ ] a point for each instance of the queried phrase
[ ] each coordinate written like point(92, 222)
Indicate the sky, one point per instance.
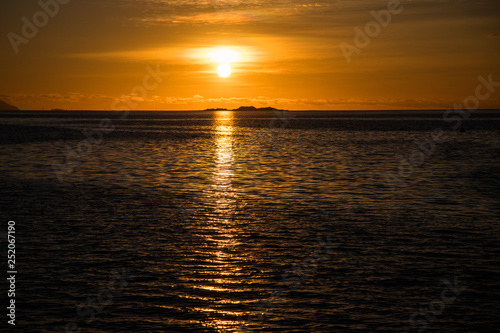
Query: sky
point(97, 54)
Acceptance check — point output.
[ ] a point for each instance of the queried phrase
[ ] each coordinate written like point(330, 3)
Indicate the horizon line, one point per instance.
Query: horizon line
point(191, 110)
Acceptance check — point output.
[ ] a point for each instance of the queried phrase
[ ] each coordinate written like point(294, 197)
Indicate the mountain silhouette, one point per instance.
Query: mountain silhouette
point(253, 108)
point(7, 107)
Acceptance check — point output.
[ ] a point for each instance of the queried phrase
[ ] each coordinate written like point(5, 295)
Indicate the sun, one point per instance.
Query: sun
point(224, 70)
point(224, 57)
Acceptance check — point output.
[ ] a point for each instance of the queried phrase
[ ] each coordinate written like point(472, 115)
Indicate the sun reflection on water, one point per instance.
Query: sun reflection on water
point(224, 268)
point(223, 170)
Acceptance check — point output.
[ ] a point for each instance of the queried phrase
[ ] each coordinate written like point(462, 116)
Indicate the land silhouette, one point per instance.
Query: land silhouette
point(7, 107)
point(246, 108)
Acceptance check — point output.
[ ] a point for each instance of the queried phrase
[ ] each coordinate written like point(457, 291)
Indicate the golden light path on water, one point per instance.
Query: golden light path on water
point(222, 223)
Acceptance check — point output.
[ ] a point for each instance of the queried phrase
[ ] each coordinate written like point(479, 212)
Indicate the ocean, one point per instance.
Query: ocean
point(226, 221)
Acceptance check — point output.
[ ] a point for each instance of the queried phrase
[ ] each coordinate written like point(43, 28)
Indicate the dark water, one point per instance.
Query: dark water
point(232, 221)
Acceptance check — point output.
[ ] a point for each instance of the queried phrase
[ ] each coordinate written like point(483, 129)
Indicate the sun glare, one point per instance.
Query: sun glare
point(224, 57)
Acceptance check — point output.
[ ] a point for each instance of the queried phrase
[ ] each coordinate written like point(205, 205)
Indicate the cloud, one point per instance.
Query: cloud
point(223, 12)
point(74, 98)
point(197, 101)
point(307, 103)
point(232, 18)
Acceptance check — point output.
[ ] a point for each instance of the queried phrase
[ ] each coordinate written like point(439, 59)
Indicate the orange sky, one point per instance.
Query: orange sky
point(92, 53)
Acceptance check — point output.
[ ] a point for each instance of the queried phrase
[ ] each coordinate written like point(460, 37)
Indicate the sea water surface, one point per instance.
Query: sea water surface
point(231, 221)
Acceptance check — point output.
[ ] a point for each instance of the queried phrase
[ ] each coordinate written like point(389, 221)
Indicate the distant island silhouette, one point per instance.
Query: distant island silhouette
point(246, 108)
point(7, 107)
